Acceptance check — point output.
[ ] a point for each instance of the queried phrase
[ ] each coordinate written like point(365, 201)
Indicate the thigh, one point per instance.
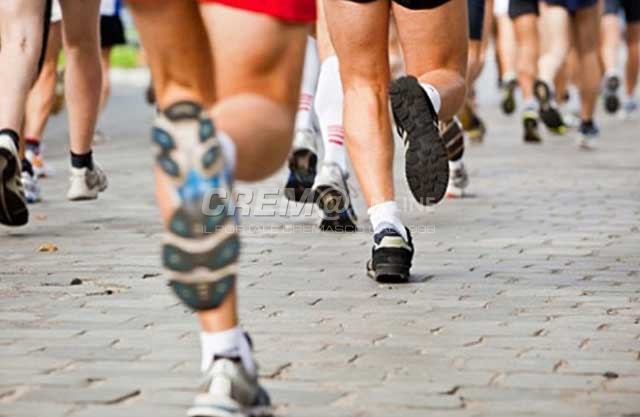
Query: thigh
point(586, 28)
point(255, 53)
point(429, 40)
point(360, 34)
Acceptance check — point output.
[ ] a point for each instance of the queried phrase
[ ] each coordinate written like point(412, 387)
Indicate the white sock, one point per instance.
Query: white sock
point(304, 117)
point(434, 96)
point(328, 105)
point(386, 215)
point(508, 76)
point(230, 342)
point(531, 104)
point(228, 149)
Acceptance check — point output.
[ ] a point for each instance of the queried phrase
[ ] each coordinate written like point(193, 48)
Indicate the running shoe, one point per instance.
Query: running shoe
point(99, 137)
point(588, 135)
point(610, 94)
point(530, 125)
point(13, 207)
point(472, 124)
point(508, 102)
point(32, 193)
point(87, 183)
point(201, 245)
point(630, 108)
point(391, 257)
point(458, 179)
point(549, 113)
point(229, 391)
point(332, 196)
point(303, 163)
point(40, 168)
point(426, 162)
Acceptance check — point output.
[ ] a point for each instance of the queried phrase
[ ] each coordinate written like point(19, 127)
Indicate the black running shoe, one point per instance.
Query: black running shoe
point(331, 193)
point(508, 102)
point(530, 125)
point(13, 207)
point(611, 99)
point(426, 162)
point(549, 113)
point(303, 163)
point(391, 257)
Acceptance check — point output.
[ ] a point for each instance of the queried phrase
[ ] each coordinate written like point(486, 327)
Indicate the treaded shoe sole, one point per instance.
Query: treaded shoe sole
point(509, 101)
point(549, 115)
point(426, 161)
point(611, 100)
point(302, 173)
point(531, 134)
point(388, 273)
point(335, 205)
point(13, 208)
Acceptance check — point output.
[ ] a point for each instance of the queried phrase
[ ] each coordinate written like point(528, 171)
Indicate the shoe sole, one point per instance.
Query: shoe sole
point(335, 204)
point(549, 115)
point(426, 160)
point(193, 238)
point(509, 101)
point(229, 412)
point(13, 208)
point(611, 100)
point(303, 169)
point(389, 273)
point(531, 134)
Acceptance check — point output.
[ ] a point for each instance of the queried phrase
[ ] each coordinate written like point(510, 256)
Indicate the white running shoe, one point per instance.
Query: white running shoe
point(302, 165)
point(32, 192)
point(13, 207)
point(86, 184)
point(230, 392)
point(458, 179)
point(40, 167)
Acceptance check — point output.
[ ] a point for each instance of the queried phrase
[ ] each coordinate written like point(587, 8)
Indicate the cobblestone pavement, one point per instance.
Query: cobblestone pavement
point(525, 299)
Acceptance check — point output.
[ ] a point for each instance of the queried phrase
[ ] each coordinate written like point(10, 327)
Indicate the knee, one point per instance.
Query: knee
point(632, 36)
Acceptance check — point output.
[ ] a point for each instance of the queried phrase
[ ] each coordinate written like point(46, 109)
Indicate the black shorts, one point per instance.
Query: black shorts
point(519, 8)
point(476, 19)
point(111, 31)
point(631, 9)
point(412, 4)
point(572, 5)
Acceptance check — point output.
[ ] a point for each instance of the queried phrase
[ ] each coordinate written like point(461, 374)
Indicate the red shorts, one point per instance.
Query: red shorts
point(302, 11)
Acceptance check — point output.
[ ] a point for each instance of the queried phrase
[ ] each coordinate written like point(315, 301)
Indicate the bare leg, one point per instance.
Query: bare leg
point(526, 29)
point(21, 33)
point(444, 63)
point(586, 27)
point(360, 36)
point(83, 73)
point(105, 56)
point(610, 42)
point(633, 57)
point(506, 44)
point(42, 95)
point(556, 36)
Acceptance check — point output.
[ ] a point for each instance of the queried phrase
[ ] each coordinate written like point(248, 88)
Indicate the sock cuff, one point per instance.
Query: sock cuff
point(386, 206)
point(434, 96)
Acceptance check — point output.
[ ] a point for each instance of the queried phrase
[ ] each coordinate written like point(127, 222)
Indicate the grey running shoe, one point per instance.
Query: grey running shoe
point(302, 165)
point(332, 196)
point(458, 179)
point(87, 183)
point(588, 136)
point(32, 191)
point(230, 391)
point(610, 94)
point(549, 113)
point(13, 207)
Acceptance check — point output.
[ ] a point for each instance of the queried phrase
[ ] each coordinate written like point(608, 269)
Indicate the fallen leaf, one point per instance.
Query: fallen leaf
point(48, 247)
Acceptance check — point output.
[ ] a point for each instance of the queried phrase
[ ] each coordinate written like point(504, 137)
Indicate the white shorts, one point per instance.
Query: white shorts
point(56, 12)
point(500, 7)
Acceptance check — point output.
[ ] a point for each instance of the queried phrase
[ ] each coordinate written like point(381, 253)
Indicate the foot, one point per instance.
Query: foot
point(302, 166)
point(99, 137)
point(199, 251)
point(426, 162)
point(40, 168)
point(391, 257)
point(458, 179)
point(230, 391)
point(630, 108)
point(588, 136)
point(530, 125)
point(32, 193)
point(87, 183)
point(549, 113)
point(508, 103)
point(610, 94)
point(13, 207)
point(332, 196)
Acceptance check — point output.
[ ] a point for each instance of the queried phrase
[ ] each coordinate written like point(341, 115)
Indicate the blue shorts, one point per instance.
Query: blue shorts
point(476, 19)
point(572, 5)
point(631, 9)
